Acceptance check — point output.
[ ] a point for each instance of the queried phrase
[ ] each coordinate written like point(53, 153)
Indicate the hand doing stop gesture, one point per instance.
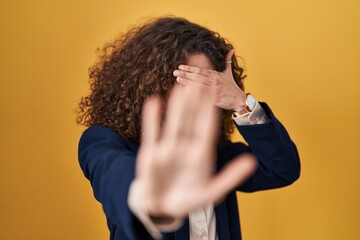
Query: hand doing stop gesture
point(176, 159)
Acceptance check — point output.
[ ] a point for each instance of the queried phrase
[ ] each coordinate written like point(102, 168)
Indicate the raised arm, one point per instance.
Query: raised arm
point(278, 158)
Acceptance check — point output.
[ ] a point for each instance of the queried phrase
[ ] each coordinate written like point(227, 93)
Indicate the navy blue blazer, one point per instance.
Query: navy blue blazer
point(108, 159)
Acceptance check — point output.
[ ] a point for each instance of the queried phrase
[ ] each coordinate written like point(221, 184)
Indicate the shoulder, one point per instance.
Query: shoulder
point(98, 131)
point(102, 143)
point(97, 134)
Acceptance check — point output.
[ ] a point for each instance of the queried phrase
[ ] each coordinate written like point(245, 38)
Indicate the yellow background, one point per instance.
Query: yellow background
point(302, 58)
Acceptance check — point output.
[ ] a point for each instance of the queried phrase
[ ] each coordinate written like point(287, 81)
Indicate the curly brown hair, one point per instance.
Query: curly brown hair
point(139, 64)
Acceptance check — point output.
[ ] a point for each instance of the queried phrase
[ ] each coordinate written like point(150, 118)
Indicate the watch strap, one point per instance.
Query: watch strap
point(245, 110)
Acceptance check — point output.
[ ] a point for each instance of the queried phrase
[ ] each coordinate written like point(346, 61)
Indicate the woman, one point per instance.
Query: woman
point(153, 143)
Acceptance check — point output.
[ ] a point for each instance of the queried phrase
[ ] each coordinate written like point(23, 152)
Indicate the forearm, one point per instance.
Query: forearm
point(271, 144)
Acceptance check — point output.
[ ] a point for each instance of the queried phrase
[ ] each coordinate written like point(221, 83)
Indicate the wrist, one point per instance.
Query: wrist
point(153, 224)
point(250, 103)
point(240, 102)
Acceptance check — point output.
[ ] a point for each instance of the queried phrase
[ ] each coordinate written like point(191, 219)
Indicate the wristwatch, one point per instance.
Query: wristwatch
point(249, 106)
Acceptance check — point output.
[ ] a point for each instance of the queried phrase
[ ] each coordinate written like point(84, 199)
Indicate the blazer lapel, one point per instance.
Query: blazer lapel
point(184, 232)
point(222, 221)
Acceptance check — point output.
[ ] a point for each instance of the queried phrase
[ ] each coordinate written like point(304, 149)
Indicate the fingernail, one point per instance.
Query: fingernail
point(176, 73)
point(181, 67)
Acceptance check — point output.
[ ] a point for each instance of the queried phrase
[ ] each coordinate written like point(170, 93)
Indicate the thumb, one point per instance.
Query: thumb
point(228, 59)
point(150, 119)
point(150, 132)
point(233, 174)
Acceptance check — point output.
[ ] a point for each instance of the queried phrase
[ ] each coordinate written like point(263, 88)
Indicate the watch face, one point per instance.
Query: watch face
point(251, 101)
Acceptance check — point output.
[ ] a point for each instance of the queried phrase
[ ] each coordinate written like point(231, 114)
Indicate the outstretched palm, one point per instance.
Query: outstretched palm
point(176, 160)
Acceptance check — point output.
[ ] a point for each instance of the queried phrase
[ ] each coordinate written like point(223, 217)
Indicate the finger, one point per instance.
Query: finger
point(175, 115)
point(206, 125)
point(232, 175)
point(205, 139)
point(198, 70)
point(182, 107)
point(182, 81)
point(203, 126)
point(228, 60)
point(151, 118)
point(150, 131)
point(201, 113)
point(183, 76)
point(236, 172)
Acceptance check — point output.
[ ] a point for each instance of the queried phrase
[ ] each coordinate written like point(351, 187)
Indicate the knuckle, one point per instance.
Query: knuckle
point(212, 73)
point(217, 82)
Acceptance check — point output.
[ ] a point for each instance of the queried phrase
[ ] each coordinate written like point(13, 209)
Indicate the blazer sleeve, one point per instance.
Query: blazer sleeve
point(278, 158)
point(108, 161)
